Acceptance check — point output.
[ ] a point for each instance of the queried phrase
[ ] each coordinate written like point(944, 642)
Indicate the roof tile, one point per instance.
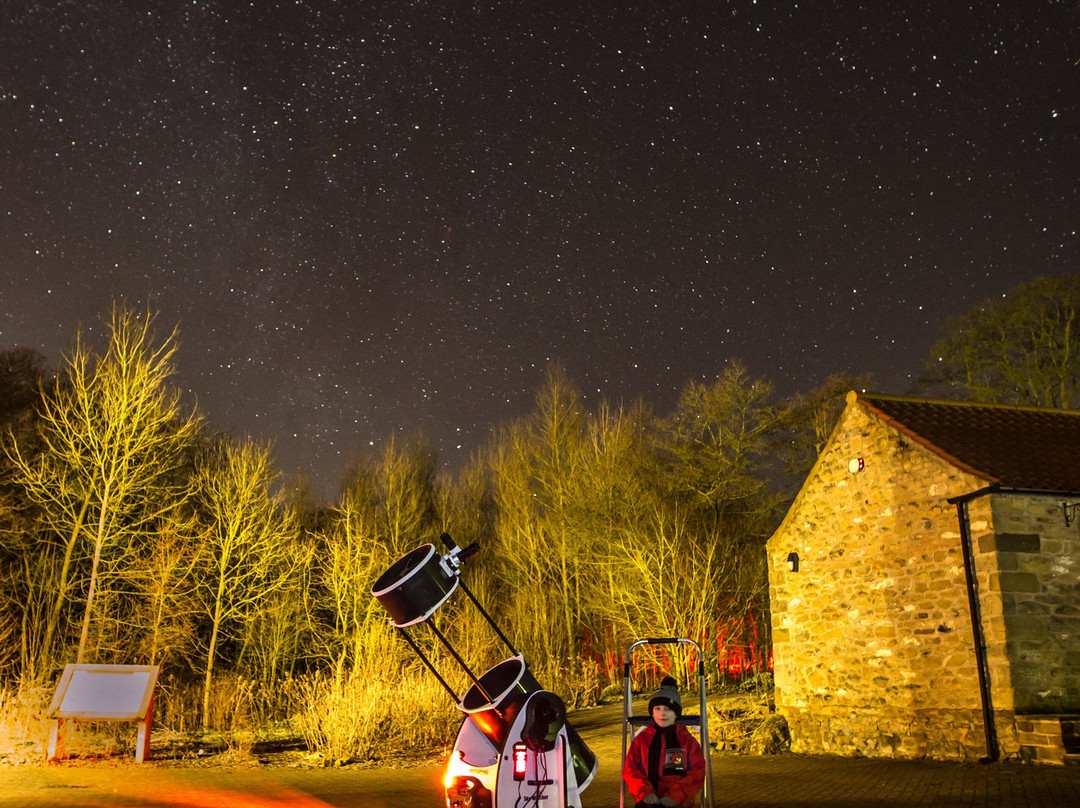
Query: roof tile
point(1016, 447)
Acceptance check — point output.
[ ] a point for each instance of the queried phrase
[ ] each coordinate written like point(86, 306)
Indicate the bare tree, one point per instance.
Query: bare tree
point(716, 444)
point(22, 371)
point(113, 439)
point(352, 558)
point(25, 572)
point(805, 421)
point(536, 468)
point(163, 581)
point(249, 541)
point(1022, 348)
point(387, 509)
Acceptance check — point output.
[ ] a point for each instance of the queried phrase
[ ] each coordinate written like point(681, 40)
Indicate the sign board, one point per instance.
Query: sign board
point(104, 693)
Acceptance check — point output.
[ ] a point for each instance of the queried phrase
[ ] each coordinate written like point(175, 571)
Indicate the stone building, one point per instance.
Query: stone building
point(924, 589)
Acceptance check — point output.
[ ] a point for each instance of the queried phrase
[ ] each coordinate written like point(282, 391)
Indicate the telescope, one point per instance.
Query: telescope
point(515, 746)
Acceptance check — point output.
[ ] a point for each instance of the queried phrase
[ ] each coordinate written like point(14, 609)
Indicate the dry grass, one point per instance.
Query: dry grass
point(24, 730)
point(579, 683)
point(354, 718)
point(177, 705)
point(384, 714)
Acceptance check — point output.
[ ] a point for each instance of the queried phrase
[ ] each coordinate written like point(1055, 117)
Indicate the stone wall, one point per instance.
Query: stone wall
point(872, 636)
point(1039, 563)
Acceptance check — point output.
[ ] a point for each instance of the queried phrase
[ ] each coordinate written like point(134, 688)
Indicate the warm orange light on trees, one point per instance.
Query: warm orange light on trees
point(249, 538)
point(114, 438)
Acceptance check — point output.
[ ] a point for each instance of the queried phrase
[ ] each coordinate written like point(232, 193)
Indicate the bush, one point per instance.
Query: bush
point(349, 718)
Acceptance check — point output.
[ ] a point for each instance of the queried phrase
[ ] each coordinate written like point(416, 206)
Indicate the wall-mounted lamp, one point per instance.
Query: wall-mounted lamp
point(1070, 512)
point(855, 465)
point(793, 562)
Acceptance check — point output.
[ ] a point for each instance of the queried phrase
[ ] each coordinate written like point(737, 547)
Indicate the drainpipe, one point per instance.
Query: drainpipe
point(978, 636)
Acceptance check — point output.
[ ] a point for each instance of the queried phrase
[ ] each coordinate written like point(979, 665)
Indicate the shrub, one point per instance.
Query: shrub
point(352, 718)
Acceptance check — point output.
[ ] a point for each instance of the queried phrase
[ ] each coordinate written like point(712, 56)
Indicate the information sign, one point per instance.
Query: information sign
point(103, 693)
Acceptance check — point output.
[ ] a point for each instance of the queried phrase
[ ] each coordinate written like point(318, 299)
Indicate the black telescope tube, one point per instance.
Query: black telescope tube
point(487, 616)
point(427, 662)
point(460, 662)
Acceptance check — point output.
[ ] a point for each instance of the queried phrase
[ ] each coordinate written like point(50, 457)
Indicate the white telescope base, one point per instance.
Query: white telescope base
point(481, 776)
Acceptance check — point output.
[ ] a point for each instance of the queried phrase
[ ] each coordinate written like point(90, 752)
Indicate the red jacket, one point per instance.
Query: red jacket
point(683, 788)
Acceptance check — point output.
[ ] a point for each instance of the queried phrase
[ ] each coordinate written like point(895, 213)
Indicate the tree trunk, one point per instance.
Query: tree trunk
point(209, 675)
point(99, 542)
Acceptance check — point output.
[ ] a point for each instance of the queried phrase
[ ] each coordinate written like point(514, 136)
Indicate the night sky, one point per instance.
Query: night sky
point(373, 217)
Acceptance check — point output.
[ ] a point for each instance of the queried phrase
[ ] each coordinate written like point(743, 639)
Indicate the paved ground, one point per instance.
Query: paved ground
point(791, 781)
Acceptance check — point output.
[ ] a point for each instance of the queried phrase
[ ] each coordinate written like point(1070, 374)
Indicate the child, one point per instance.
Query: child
point(665, 765)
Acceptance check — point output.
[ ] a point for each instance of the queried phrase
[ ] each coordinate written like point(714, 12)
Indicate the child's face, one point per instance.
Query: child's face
point(663, 716)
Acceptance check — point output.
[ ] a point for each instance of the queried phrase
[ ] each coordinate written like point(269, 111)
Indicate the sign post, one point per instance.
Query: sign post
point(103, 693)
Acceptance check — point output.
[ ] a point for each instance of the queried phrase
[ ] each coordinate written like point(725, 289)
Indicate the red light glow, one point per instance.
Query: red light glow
point(521, 761)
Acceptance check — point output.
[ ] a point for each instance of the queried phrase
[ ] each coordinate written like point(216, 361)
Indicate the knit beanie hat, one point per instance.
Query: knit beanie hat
point(667, 695)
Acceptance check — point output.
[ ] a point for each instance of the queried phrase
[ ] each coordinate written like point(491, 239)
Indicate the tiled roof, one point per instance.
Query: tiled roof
point(1015, 447)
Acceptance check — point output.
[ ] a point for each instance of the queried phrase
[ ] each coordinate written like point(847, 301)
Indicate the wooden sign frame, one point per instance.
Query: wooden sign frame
point(103, 693)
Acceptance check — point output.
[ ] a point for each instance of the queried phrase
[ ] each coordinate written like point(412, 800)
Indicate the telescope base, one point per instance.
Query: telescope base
point(527, 775)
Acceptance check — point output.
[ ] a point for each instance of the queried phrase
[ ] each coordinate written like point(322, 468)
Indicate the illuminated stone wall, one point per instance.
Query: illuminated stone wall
point(872, 636)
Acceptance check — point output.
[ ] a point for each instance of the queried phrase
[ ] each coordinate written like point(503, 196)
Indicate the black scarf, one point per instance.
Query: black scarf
point(664, 736)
